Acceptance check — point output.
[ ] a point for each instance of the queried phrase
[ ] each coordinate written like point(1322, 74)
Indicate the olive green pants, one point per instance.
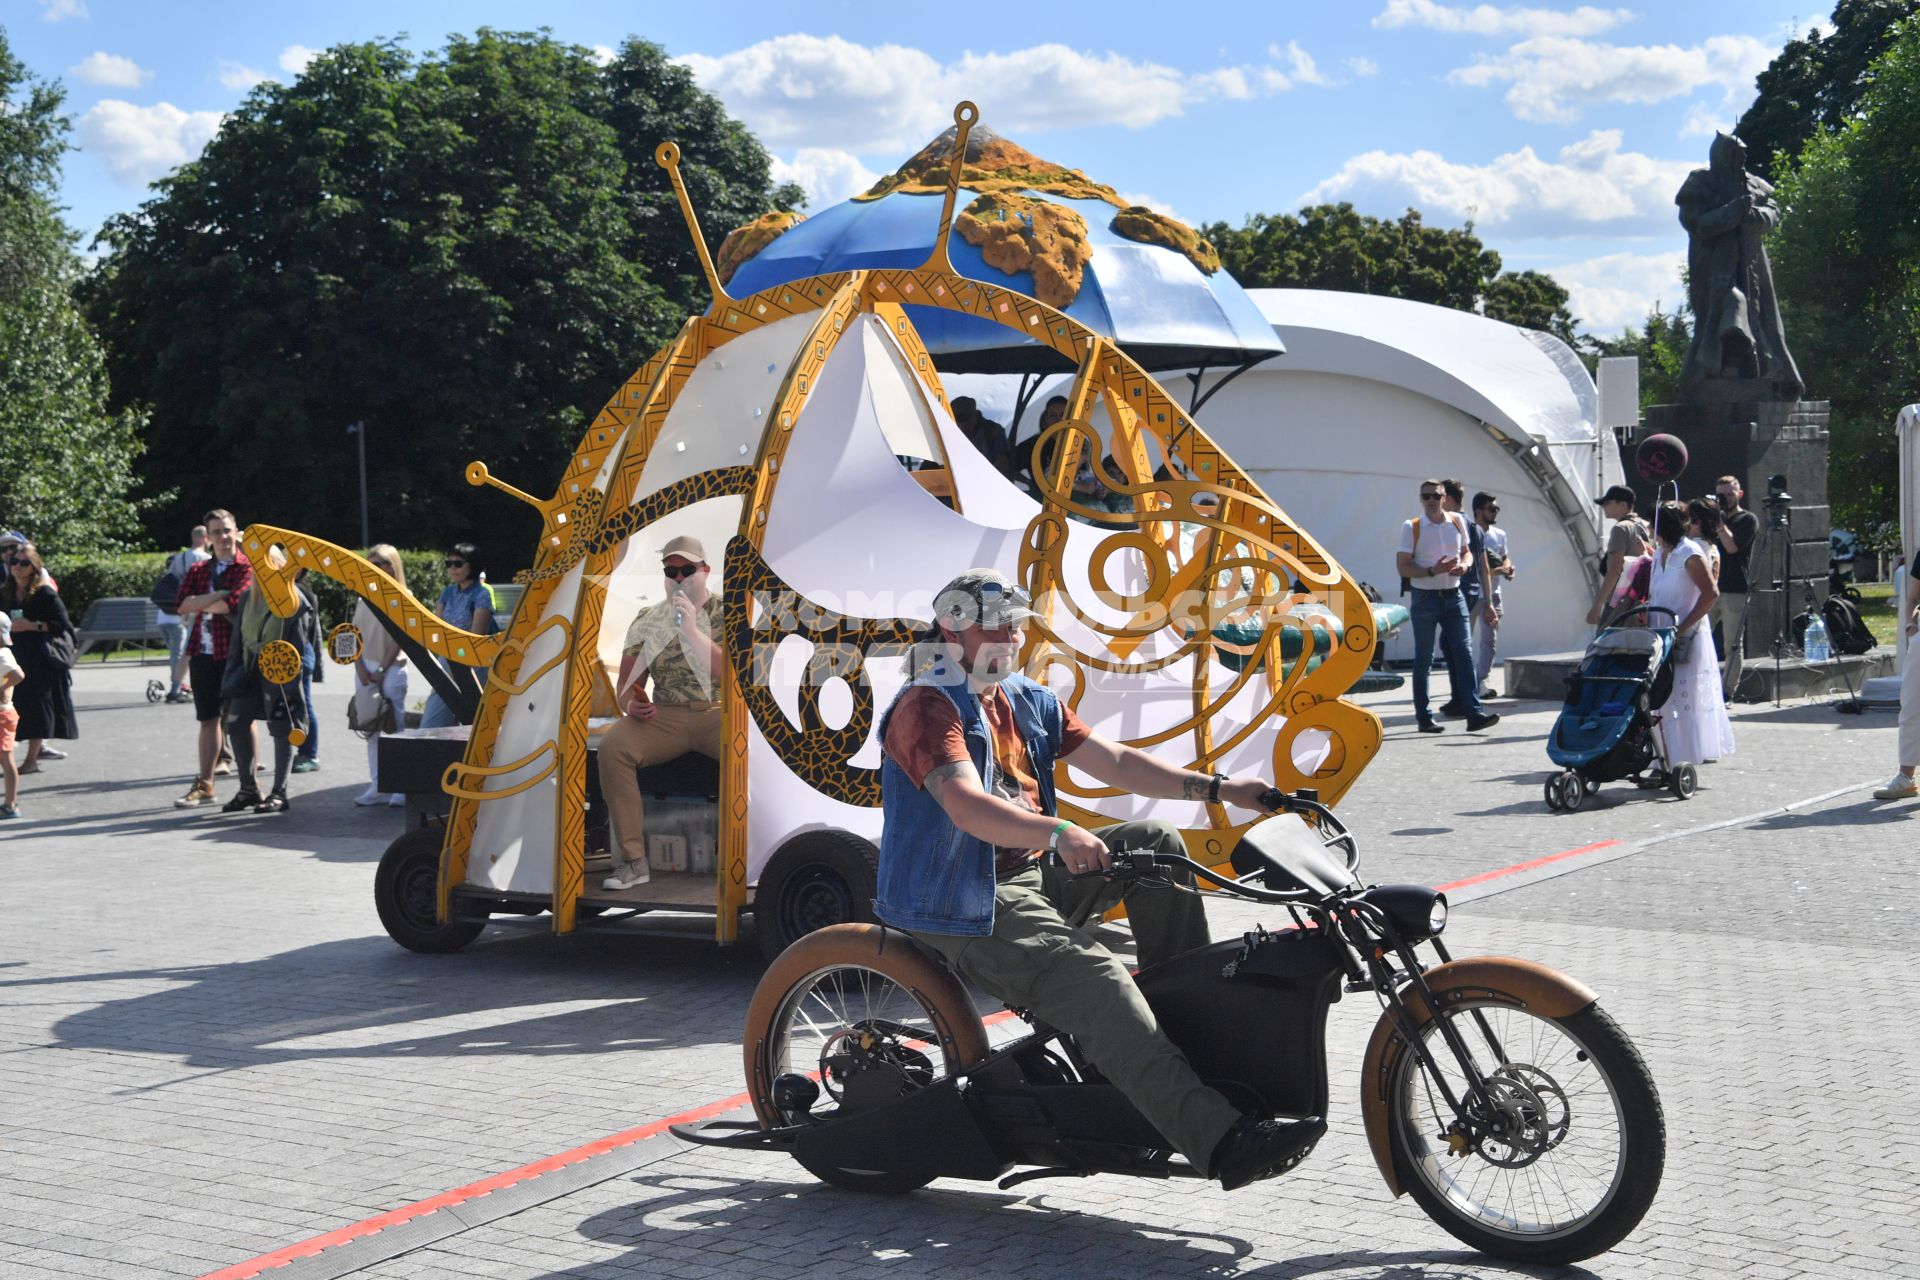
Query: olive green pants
point(1039, 957)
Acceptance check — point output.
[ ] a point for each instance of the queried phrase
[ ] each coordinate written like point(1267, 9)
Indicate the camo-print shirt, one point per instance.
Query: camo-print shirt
point(662, 650)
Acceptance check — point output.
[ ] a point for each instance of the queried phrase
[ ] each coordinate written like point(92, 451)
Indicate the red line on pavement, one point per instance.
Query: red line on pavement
point(1518, 867)
point(460, 1195)
point(512, 1177)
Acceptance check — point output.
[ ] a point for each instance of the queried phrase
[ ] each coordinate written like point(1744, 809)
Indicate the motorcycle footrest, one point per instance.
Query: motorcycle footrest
point(745, 1134)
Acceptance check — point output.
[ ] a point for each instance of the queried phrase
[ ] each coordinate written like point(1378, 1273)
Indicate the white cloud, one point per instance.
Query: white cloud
point(1489, 20)
point(237, 75)
point(1615, 290)
point(138, 144)
point(602, 54)
point(826, 174)
point(828, 92)
point(110, 69)
point(1553, 77)
point(1592, 187)
point(1703, 121)
point(1363, 68)
point(61, 10)
point(295, 57)
point(1299, 63)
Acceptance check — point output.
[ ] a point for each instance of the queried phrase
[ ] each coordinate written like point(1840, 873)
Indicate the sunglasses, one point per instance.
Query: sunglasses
point(679, 571)
point(19, 560)
point(455, 564)
point(1431, 497)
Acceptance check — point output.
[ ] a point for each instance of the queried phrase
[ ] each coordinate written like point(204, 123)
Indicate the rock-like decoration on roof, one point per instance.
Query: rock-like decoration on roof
point(1151, 227)
point(745, 241)
point(996, 166)
point(993, 164)
point(1019, 233)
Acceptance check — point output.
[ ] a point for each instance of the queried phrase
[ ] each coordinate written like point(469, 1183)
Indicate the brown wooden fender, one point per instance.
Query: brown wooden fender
point(963, 1036)
point(1500, 979)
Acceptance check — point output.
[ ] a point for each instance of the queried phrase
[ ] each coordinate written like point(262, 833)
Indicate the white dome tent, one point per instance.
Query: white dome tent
point(1374, 394)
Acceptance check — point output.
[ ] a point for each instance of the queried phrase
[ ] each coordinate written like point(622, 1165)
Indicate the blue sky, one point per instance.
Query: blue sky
point(1561, 130)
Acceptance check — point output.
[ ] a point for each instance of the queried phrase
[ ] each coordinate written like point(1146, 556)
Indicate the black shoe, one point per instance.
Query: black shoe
point(244, 798)
point(274, 803)
point(1487, 694)
point(1428, 726)
point(1258, 1148)
point(1476, 723)
point(1453, 709)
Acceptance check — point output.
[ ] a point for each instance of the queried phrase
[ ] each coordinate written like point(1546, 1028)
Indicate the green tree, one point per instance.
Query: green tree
point(1847, 265)
point(467, 250)
point(1334, 246)
point(1532, 300)
point(1660, 345)
point(69, 461)
point(1816, 81)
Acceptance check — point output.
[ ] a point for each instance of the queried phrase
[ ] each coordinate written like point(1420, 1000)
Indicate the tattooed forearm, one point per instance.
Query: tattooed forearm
point(1194, 786)
point(938, 778)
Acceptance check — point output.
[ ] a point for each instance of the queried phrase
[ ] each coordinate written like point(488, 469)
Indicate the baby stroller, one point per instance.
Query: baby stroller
point(1607, 729)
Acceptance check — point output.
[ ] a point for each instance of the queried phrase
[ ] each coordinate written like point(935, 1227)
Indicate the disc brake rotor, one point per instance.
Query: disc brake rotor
point(1514, 1135)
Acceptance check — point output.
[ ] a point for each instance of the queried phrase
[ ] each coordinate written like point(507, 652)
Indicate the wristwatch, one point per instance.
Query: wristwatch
point(1213, 787)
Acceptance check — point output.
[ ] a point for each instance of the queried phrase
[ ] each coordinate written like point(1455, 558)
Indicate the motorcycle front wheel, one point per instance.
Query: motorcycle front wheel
point(1565, 1158)
point(867, 1015)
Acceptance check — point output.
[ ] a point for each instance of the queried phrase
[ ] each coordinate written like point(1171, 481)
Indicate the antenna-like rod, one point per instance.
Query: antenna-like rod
point(667, 156)
point(964, 116)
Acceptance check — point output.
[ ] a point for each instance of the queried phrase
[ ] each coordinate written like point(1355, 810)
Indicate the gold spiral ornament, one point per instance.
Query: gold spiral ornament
point(343, 644)
point(280, 662)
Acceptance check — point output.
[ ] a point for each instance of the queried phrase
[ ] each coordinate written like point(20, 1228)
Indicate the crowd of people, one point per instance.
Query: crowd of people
point(1688, 567)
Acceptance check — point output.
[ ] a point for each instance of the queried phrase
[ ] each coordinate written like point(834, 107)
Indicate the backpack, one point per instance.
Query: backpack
point(1845, 629)
point(1453, 518)
point(165, 595)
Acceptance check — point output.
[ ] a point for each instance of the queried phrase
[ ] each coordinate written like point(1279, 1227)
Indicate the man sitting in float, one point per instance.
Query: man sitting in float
point(672, 642)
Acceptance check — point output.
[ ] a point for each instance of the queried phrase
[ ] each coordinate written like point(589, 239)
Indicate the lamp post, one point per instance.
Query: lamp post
point(358, 430)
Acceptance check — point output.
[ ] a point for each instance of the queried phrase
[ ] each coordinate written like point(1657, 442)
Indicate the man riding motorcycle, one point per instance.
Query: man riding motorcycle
point(968, 795)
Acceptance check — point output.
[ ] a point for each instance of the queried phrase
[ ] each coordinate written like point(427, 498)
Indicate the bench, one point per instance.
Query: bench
point(118, 620)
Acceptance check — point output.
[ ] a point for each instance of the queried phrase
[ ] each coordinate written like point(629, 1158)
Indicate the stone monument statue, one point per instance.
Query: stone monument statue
point(1739, 349)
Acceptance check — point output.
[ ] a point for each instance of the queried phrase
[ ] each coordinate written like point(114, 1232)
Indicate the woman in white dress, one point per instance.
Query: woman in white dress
point(1694, 721)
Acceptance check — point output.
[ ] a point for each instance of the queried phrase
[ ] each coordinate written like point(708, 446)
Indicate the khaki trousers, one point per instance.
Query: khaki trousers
point(674, 729)
point(1729, 611)
point(1040, 958)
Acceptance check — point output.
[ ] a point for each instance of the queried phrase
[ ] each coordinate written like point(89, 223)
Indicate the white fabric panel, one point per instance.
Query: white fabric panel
point(722, 408)
point(900, 405)
point(513, 837)
point(784, 806)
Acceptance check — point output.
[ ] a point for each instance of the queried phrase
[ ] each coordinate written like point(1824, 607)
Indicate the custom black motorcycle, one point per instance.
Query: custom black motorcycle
point(1495, 1091)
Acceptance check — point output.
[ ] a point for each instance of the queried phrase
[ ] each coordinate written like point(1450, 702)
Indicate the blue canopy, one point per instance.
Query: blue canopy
point(1152, 301)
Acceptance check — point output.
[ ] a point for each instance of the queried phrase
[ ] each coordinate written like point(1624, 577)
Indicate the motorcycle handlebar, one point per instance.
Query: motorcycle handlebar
point(1131, 863)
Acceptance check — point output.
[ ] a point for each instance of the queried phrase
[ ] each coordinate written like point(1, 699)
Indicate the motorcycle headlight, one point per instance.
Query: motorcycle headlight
point(1417, 912)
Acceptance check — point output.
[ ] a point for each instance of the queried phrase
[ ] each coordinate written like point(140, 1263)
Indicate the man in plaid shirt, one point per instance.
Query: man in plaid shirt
point(209, 597)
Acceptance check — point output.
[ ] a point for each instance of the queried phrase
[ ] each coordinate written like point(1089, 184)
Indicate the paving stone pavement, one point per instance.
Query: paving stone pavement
point(210, 1050)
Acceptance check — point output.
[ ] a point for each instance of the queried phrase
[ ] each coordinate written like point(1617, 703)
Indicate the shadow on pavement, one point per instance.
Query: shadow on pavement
point(964, 1233)
point(365, 998)
point(1867, 813)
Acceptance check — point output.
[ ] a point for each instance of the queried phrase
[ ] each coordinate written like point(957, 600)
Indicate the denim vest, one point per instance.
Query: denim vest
point(935, 877)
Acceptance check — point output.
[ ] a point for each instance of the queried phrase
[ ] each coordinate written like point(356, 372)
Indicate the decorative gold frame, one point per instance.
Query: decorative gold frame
point(584, 524)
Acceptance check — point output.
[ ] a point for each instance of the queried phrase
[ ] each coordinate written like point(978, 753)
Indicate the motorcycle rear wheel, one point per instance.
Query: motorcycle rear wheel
point(1586, 1137)
point(828, 990)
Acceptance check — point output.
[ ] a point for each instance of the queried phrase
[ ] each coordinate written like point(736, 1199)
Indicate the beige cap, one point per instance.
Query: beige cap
point(685, 545)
